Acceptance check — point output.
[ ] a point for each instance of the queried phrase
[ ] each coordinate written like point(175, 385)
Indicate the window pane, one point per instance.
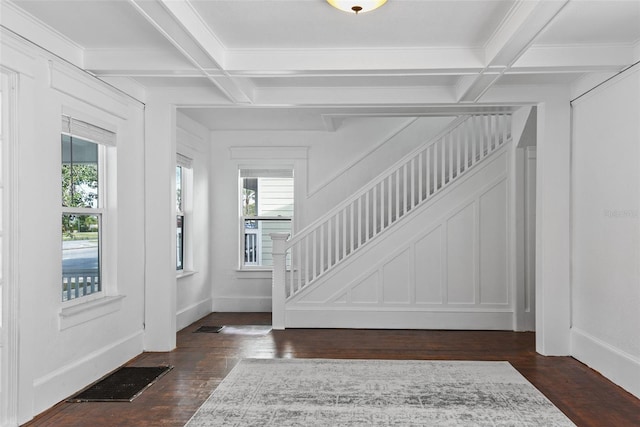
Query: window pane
point(180, 243)
point(258, 246)
point(79, 173)
point(179, 188)
point(249, 196)
point(80, 255)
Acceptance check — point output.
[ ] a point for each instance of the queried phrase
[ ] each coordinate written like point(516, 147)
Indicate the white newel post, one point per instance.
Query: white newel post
point(278, 285)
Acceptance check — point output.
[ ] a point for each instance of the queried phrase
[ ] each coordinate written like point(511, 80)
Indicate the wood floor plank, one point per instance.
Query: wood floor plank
point(202, 360)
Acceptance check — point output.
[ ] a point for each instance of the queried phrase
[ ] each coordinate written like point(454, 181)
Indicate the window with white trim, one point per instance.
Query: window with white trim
point(184, 182)
point(266, 198)
point(83, 181)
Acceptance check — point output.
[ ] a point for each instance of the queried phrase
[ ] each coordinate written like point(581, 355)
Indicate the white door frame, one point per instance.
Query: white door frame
point(10, 325)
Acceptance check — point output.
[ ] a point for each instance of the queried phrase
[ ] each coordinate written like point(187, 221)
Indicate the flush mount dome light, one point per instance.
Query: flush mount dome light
point(356, 6)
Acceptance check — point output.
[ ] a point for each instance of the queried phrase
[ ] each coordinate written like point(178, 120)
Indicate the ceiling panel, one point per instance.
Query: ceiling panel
point(97, 24)
point(593, 21)
point(293, 24)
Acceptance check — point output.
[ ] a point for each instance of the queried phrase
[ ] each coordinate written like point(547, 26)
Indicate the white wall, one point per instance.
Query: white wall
point(605, 183)
point(83, 343)
point(329, 166)
point(193, 288)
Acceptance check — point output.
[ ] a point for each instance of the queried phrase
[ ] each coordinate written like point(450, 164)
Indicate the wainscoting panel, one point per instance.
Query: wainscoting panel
point(395, 279)
point(493, 245)
point(428, 267)
point(366, 292)
point(460, 258)
point(445, 266)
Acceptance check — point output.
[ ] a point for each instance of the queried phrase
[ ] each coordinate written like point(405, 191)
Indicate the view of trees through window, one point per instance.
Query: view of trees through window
point(80, 218)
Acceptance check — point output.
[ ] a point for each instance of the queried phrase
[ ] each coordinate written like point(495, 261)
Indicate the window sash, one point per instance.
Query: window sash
point(76, 285)
point(80, 279)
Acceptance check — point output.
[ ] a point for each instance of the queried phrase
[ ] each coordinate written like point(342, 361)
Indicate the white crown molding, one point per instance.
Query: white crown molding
point(78, 84)
point(19, 21)
point(132, 60)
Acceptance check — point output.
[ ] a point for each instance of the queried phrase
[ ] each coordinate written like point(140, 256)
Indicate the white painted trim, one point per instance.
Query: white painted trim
point(190, 314)
point(17, 54)
point(68, 379)
point(81, 86)
point(181, 274)
point(90, 310)
point(242, 304)
point(397, 318)
point(620, 367)
point(268, 153)
point(598, 87)
point(10, 349)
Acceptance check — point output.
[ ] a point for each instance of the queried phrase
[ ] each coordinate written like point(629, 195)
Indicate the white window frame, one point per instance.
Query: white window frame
point(105, 141)
point(242, 239)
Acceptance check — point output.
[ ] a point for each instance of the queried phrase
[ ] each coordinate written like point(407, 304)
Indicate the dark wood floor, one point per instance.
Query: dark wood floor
point(202, 360)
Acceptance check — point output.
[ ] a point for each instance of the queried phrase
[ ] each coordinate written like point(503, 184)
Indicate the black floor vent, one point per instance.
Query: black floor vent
point(122, 385)
point(209, 329)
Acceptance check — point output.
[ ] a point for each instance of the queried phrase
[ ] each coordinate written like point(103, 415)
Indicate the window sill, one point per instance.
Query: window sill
point(185, 273)
point(82, 313)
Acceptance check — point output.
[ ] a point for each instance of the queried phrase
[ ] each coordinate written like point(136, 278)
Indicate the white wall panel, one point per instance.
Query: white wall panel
point(461, 249)
point(428, 268)
point(493, 246)
point(395, 279)
point(606, 230)
point(367, 290)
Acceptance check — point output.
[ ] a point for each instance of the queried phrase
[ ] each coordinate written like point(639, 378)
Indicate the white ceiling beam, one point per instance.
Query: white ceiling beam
point(575, 58)
point(434, 60)
point(510, 40)
point(174, 30)
point(193, 24)
point(353, 95)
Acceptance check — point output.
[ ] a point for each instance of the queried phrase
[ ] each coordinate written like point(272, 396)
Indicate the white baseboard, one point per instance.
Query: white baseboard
point(63, 382)
point(398, 319)
point(242, 304)
point(194, 312)
point(618, 366)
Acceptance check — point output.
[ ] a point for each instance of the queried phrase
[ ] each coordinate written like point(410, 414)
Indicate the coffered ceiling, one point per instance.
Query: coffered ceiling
point(284, 53)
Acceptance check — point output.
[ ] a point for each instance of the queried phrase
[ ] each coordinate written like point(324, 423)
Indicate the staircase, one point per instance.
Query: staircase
point(304, 261)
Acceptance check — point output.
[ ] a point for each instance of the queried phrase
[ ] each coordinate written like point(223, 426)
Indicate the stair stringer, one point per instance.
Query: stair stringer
point(412, 277)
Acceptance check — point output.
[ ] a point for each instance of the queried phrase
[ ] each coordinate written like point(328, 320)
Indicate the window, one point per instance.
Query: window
point(267, 207)
point(183, 185)
point(83, 214)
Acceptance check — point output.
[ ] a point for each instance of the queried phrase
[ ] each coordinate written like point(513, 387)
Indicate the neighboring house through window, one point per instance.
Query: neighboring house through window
point(83, 201)
point(267, 207)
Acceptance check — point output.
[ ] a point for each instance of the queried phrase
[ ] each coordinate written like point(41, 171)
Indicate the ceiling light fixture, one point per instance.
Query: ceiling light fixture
point(356, 6)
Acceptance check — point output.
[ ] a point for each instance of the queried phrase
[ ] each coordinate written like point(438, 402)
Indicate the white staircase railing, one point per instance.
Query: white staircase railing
point(415, 179)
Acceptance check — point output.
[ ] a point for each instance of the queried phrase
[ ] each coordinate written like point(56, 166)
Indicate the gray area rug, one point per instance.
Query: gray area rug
point(326, 392)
